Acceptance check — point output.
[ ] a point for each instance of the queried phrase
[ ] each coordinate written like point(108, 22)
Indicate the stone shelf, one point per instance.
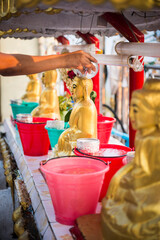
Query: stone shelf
point(37, 188)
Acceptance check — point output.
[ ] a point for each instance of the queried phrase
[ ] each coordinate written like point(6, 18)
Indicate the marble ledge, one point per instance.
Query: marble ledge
point(37, 188)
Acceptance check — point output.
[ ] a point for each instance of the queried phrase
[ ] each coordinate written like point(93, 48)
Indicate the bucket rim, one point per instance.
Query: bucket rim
point(110, 119)
point(30, 122)
point(54, 129)
point(109, 146)
point(44, 162)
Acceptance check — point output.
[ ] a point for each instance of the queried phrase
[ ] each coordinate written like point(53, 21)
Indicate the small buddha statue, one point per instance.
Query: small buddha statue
point(48, 103)
point(33, 89)
point(83, 118)
point(131, 208)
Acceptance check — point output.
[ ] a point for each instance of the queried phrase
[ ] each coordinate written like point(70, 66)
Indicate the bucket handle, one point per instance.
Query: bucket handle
point(108, 162)
point(50, 159)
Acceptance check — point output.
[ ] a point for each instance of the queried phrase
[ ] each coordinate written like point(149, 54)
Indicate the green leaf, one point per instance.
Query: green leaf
point(93, 96)
point(67, 116)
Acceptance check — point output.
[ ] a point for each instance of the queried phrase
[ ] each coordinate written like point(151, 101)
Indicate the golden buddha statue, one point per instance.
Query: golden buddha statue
point(33, 89)
point(83, 119)
point(48, 103)
point(131, 208)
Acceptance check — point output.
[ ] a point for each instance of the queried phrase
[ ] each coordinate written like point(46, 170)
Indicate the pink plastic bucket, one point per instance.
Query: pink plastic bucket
point(74, 184)
point(34, 137)
point(116, 162)
point(104, 128)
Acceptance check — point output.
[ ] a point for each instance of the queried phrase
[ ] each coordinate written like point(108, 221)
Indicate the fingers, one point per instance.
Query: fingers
point(91, 58)
point(89, 63)
point(81, 69)
point(90, 67)
point(81, 60)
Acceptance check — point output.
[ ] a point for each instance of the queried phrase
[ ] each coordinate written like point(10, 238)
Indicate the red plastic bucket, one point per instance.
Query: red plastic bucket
point(104, 128)
point(116, 162)
point(34, 137)
point(74, 184)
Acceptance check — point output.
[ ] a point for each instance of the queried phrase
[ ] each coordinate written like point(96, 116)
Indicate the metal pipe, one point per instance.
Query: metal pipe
point(90, 48)
point(130, 32)
point(156, 67)
point(117, 60)
point(138, 49)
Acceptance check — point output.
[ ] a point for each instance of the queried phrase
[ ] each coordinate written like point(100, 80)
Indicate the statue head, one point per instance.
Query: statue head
point(32, 76)
point(81, 88)
point(49, 78)
point(145, 106)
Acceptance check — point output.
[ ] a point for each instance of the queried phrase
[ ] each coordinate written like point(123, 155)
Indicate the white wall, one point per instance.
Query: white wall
point(14, 87)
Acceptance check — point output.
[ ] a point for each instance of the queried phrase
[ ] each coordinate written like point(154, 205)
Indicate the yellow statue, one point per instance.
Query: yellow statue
point(131, 208)
point(83, 119)
point(48, 103)
point(33, 89)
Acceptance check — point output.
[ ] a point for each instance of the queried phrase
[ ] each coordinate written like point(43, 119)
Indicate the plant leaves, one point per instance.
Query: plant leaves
point(67, 116)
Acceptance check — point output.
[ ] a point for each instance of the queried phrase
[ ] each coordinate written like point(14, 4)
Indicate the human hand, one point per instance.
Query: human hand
point(80, 60)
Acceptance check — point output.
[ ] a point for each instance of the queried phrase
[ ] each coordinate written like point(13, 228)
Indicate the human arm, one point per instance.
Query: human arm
point(19, 64)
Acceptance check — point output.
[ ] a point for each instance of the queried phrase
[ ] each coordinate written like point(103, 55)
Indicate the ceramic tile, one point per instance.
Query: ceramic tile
point(37, 177)
point(29, 185)
point(43, 191)
point(39, 158)
point(41, 219)
point(61, 231)
point(22, 164)
point(48, 235)
point(26, 174)
point(34, 198)
point(33, 163)
point(48, 206)
point(19, 159)
point(14, 147)
point(17, 153)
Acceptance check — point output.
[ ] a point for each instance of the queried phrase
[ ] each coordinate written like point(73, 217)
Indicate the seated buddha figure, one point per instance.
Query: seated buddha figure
point(33, 89)
point(48, 103)
point(131, 208)
point(83, 118)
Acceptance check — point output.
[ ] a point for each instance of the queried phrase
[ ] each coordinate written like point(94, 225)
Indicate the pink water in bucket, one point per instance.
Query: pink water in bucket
point(74, 184)
point(109, 153)
point(34, 136)
point(104, 128)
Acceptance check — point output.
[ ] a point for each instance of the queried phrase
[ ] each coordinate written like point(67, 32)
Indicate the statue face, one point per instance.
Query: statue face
point(141, 116)
point(77, 90)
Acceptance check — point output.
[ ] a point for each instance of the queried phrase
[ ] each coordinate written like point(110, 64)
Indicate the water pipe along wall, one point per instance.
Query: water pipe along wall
point(90, 48)
point(132, 34)
point(138, 49)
